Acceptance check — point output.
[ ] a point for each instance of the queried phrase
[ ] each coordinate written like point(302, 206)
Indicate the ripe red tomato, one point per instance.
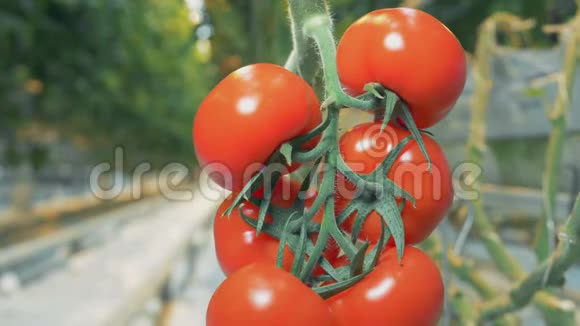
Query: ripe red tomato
point(364, 148)
point(247, 116)
point(264, 295)
point(237, 244)
point(409, 294)
point(409, 52)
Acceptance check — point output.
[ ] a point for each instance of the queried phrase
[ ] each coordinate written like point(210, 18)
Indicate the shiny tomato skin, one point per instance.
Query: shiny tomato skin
point(407, 294)
point(249, 114)
point(237, 244)
point(264, 295)
point(363, 149)
point(409, 52)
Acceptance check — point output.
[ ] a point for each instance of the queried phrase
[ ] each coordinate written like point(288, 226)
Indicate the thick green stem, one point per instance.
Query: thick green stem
point(303, 59)
point(558, 118)
point(476, 148)
point(320, 29)
point(311, 22)
point(551, 271)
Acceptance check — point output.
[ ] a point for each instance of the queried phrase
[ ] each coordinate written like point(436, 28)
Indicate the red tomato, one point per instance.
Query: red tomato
point(237, 244)
point(264, 295)
point(364, 148)
point(409, 294)
point(247, 116)
point(409, 52)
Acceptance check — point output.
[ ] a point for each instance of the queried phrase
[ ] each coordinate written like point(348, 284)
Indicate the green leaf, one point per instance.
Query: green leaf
point(323, 278)
point(317, 152)
point(343, 242)
point(410, 124)
point(271, 229)
point(361, 216)
point(302, 139)
point(265, 204)
point(247, 187)
point(375, 89)
point(299, 254)
point(326, 188)
point(397, 191)
point(390, 102)
point(323, 262)
point(333, 289)
point(282, 245)
point(299, 203)
point(390, 159)
point(360, 181)
point(356, 264)
point(351, 208)
point(390, 213)
point(372, 259)
point(308, 179)
point(329, 269)
point(277, 212)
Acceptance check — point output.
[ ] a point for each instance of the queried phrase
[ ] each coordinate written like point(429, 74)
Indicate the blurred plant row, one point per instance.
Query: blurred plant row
point(131, 73)
point(99, 73)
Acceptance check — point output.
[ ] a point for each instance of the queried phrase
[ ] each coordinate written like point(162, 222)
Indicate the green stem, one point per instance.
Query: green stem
point(463, 308)
point(475, 148)
point(303, 59)
point(320, 29)
point(466, 272)
point(554, 267)
point(311, 19)
point(558, 119)
point(328, 220)
point(292, 63)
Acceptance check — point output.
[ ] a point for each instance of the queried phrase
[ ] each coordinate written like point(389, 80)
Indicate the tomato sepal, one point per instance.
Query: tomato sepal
point(412, 127)
point(357, 263)
point(300, 251)
point(328, 291)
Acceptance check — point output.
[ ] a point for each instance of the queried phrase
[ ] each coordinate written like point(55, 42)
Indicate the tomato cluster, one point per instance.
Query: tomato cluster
point(241, 126)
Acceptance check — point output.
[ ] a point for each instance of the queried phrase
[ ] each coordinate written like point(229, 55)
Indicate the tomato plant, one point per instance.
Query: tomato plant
point(264, 295)
point(365, 147)
point(237, 243)
point(408, 52)
point(265, 114)
point(410, 293)
point(247, 116)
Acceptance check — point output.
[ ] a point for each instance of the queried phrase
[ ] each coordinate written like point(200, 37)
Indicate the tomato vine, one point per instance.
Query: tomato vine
point(312, 25)
point(310, 230)
point(302, 235)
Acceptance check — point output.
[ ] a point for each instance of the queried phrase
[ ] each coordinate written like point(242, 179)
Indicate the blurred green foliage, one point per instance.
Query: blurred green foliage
point(255, 30)
point(126, 71)
point(111, 72)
